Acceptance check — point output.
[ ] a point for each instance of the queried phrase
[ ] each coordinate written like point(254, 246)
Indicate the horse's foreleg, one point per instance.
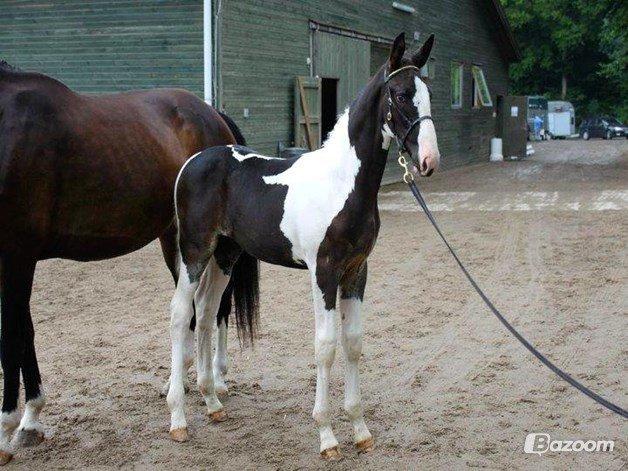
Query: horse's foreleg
point(325, 351)
point(351, 297)
point(208, 296)
point(16, 339)
point(182, 310)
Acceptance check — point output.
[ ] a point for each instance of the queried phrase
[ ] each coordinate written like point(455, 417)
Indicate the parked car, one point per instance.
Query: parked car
point(604, 127)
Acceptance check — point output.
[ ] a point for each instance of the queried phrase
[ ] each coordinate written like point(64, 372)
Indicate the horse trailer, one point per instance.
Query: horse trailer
point(561, 119)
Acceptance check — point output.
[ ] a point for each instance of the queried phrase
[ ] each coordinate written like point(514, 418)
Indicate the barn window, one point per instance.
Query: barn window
point(456, 85)
point(481, 94)
point(429, 69)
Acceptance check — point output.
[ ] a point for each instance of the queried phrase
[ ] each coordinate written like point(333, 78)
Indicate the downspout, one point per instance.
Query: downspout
point(208, 63)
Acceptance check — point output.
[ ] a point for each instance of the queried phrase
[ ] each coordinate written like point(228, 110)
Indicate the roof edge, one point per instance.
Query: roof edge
point(506, 29)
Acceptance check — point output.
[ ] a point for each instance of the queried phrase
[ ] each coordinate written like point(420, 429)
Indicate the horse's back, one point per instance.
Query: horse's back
point(90, 177)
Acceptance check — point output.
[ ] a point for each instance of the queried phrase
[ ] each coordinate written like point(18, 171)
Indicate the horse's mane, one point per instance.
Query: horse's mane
point(6, 67)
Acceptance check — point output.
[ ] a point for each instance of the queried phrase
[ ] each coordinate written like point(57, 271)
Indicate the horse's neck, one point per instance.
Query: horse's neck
point(357, 135)
point(365, 128)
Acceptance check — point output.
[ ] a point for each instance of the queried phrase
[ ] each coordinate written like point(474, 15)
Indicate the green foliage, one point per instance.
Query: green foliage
point(583, 40)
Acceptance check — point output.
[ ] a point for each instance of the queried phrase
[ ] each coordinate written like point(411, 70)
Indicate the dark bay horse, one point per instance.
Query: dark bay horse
point(83, 178)
point(317, 211)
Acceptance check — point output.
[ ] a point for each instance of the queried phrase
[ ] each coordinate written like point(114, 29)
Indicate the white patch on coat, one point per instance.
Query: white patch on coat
point(319, 184)
point(426, 140)
point(241, 157)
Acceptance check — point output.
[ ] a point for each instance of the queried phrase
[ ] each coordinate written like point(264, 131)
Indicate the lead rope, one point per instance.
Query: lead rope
point(409, 179)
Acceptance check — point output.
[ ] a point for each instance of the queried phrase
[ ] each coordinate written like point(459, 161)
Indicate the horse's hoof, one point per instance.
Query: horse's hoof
point(179, 434)
point(365, 445)
point(331, 454)
point(218, 416)
point(5, 457)
point(29, 437)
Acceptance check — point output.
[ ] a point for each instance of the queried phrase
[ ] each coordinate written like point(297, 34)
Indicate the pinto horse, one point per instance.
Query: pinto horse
point(316, 212)
point(86, 178)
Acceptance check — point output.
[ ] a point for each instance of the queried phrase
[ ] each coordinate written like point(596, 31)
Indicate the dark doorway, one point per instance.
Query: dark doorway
point(329, 105)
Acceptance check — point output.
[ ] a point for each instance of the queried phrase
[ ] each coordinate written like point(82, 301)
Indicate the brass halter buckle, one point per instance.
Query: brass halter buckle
point(407, 176)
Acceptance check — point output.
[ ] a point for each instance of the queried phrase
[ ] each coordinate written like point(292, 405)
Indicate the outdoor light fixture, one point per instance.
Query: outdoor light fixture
point(403, 7)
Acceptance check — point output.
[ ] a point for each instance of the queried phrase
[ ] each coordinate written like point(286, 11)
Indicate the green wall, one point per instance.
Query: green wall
point(107, 45)
point(264, 44)
point(114, 45)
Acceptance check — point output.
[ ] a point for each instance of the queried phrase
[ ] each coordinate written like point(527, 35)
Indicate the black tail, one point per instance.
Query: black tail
point(243, 288)
point(235, 130)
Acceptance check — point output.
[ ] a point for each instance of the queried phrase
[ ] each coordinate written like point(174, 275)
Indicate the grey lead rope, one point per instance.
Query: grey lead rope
point(562, 374)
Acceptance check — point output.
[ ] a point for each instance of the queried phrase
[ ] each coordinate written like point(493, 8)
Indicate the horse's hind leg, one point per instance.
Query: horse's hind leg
point(169, 248)
point(208, 298)
point(220, 355)
point(16, 346)
point(30, 431)
point(181, 309)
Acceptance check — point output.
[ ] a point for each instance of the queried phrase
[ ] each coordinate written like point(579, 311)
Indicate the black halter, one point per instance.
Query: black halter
point(411, 124)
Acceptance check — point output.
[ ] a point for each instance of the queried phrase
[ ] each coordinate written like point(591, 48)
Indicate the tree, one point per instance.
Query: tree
point(572, 49)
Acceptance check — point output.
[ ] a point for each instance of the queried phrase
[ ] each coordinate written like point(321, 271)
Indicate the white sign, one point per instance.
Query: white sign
point(514, 111)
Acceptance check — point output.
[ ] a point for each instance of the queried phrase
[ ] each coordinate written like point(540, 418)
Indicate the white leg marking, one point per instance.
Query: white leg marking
point(8, 423)
point(220, 359)
point(325, 351)
point(213, 284)
point(30, 419)
point(181, 313)
point(352, 346)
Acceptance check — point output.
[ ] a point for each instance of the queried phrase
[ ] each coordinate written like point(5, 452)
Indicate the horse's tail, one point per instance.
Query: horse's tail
point(243, 287)
point(243, 292)
point(235, 130)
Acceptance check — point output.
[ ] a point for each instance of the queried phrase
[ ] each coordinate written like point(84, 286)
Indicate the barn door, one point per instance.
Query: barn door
point(307, 111)
point(346, 59)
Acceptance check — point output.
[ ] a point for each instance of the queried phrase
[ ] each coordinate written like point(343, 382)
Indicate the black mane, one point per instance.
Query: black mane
point(6, 67)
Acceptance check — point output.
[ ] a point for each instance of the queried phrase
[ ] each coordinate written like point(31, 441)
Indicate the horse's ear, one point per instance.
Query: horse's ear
point(422, 55)
point(396, 52)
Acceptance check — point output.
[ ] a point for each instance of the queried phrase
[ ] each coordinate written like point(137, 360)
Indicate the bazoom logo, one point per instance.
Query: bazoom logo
point(540, 443)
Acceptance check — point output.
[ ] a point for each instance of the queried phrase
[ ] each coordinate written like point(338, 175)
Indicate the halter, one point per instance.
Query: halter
point(411, 124)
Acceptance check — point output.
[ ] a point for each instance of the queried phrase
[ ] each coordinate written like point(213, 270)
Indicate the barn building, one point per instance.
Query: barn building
point(263, 60)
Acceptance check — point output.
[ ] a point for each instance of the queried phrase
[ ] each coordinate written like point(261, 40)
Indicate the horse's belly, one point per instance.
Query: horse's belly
point(91, 248)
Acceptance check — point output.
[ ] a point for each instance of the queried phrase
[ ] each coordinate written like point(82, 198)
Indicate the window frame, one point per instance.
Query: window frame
point(480, 88)
point(459, 67)
point(428, 71)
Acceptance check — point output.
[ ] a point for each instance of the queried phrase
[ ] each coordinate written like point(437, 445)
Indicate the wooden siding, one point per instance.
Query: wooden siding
point(107, 45)
point(266, 43)
point(345, 58)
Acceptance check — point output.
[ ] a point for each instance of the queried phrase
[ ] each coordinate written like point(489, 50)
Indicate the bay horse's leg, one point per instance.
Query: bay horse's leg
point(16, 340)
point(181, 312)
point(324, 290)
point(208, 299)
point(351, 296)
point(170, 251)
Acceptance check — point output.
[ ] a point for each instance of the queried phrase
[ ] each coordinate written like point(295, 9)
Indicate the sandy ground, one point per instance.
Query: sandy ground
point(444, 385)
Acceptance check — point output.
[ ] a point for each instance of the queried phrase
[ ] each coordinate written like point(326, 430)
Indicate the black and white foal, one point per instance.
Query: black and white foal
point(317, 211)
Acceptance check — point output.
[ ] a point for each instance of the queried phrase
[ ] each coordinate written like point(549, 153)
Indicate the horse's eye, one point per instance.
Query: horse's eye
point(401, 98)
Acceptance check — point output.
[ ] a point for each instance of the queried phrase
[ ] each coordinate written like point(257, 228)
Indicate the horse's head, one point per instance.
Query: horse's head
point(406, 101)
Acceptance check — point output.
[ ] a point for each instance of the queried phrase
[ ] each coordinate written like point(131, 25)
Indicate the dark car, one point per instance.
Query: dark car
point(599, 126)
